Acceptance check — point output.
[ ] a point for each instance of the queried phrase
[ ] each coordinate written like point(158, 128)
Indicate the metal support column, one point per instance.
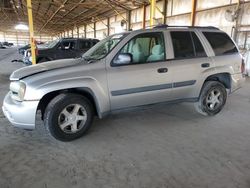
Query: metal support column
point(144, 16)
point(152, 12)
point(108, 26)
point(165, 7)
point(193, 13)
point(85, 31)
point(128, 20)
point(16, 39)
point(94, 29)
point(77, 29)
point(32, 40)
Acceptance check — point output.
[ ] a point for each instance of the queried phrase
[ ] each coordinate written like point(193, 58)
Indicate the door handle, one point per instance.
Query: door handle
point(162, 70)
point(205, 65)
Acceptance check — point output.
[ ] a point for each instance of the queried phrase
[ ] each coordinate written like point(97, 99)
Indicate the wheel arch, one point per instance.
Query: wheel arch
point(84, 91)
point(224, 78)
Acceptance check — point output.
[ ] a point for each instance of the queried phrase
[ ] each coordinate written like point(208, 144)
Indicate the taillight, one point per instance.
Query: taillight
point(243, 66)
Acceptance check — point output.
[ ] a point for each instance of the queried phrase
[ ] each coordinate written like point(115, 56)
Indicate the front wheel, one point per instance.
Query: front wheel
point(68, 116)
point(212, 98)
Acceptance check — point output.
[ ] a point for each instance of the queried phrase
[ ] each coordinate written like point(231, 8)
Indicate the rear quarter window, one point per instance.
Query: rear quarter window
point(221, 43)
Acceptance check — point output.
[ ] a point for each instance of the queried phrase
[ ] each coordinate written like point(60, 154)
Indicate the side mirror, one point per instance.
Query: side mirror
point(123, 59)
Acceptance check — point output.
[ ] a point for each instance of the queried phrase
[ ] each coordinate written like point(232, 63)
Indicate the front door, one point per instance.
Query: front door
point(146, 79)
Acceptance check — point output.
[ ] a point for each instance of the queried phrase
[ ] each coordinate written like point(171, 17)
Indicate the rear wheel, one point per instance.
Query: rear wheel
point(212, 98)
point(68, 116)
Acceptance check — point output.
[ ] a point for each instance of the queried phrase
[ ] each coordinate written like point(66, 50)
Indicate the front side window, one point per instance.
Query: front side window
point(221, 43)
point(68, 45)
point(84, 44)
point(144, 48)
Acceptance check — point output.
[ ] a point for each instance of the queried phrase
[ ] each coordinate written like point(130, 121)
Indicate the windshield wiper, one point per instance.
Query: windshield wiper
point(89, 59)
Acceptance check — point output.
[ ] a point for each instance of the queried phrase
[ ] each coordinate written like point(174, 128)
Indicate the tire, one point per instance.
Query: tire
point(212, 98)
point(65, 124)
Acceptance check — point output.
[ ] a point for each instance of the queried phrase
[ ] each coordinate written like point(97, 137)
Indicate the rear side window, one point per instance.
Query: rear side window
point(183, 45)
point(84, 44)
point(68, 45)
point(199, 50)
point(187, 45)
point(221, 43)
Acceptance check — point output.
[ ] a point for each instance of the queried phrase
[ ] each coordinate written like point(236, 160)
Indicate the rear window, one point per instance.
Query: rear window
point(221, 43)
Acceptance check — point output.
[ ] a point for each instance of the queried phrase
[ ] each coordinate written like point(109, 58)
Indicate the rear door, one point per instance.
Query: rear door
point(189, 64)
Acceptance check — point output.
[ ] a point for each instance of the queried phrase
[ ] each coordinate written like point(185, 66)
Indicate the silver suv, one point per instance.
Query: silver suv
point(131, 69)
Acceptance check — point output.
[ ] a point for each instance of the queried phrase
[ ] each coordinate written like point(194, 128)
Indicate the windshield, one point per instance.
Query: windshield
point(102, 49)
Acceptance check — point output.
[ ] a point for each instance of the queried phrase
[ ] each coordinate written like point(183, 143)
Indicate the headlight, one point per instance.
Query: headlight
point(17, 89)
point(28, 53)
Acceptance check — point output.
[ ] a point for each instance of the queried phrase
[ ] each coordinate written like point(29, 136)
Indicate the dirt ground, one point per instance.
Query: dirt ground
point(168, 146)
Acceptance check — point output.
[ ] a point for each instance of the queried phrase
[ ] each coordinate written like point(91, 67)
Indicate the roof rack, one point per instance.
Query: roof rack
point(194, 27)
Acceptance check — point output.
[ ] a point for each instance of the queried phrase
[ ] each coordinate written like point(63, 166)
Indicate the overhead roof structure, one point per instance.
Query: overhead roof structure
point(54, 16)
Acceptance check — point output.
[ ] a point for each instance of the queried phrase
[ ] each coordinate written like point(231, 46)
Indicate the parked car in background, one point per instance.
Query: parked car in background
point(63, 48)
point(22, 49)
point(2, 46)
point(168, 64)
point(8, 44)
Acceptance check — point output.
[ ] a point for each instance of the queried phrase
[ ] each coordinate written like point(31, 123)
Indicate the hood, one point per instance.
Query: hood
point(47, 66)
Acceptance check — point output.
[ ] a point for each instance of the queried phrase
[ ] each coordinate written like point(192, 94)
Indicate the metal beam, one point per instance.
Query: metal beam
point(115, 10)
point(65, 1)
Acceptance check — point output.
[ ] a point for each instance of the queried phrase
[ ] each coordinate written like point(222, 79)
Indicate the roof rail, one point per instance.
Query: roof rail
point(197, 27)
